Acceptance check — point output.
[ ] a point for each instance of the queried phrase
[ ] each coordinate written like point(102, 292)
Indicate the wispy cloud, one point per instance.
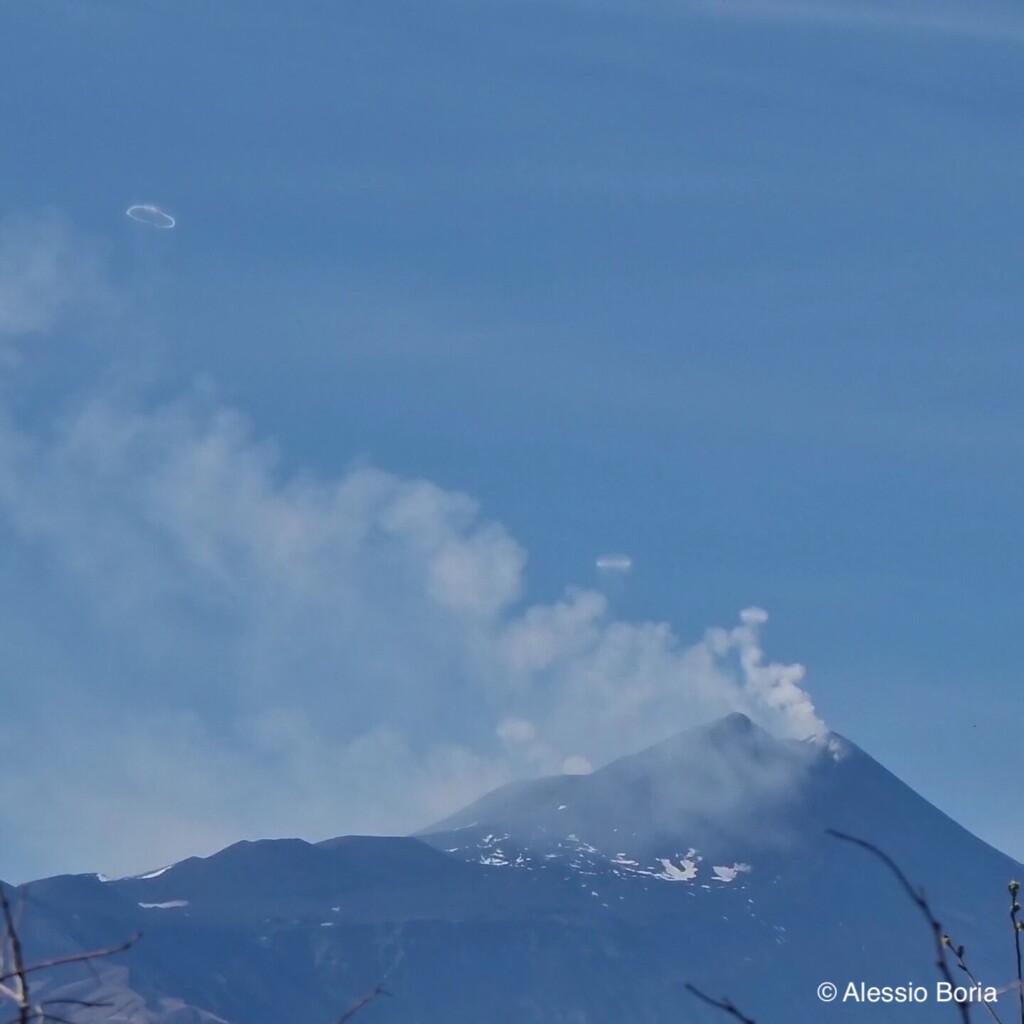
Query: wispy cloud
point(44, 268)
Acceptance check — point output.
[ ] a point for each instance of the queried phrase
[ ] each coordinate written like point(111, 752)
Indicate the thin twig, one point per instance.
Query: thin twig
point(74, 958)
point(17, 956)
point(724, 1003)
point(87, 1004)
point(917, 897)
point(961, 962)
point(378, 990)
point(19, 992)
point(1018, 927)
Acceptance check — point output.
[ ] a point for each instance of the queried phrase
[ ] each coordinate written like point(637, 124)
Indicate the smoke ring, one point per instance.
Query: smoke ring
point(147, 213)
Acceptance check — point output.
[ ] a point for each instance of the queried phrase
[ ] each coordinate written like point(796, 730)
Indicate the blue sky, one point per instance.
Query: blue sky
point(731, 287)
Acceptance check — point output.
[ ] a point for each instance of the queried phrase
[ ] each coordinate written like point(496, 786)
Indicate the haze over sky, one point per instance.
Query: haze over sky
point(731, 288)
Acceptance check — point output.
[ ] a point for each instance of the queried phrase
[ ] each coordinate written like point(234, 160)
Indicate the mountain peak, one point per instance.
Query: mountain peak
point(735, 721)
point(712, 843)
point(732, 745)
point(724, 787)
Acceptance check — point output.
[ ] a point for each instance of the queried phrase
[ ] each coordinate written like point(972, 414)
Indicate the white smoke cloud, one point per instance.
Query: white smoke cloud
point(300, 655)
point(576, 765)
point(202, 646)
point(614, 563)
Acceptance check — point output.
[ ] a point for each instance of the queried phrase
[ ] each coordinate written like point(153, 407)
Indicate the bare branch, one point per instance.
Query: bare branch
point(917, 897)
point(961, 962)
point(725, 1004)
point(18, 959)
point(75, 958)
point(377, 990)
point(88, 1004)
point(18, 973)
point(1018, 927)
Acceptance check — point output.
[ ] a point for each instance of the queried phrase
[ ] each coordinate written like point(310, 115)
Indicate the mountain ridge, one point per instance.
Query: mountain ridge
point(591, 899)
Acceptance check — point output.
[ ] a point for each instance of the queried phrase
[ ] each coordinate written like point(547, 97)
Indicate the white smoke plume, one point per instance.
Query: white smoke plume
point(202, 646)
point(280, 654)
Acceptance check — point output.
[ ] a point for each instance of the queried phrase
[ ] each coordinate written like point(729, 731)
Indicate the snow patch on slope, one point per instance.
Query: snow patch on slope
point(728, 874)
point(585, 859)
point(155, 874)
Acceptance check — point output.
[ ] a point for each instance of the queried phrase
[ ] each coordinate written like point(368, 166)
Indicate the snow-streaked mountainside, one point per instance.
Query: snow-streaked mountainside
point(577, 899)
